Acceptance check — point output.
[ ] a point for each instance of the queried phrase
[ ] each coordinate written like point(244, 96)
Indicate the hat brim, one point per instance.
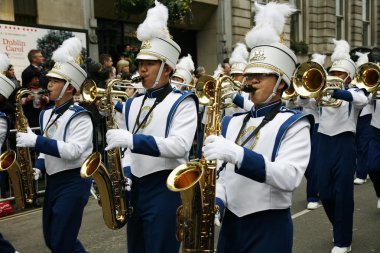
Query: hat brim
point(147, 57)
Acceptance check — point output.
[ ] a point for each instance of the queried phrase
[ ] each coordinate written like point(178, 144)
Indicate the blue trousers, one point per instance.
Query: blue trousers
point(66, 195)
point(362, 138)
point(374, 159)
point(336, 168)
point(311, 170)
point(152, 226)
point(268, 231)
point(5, 246)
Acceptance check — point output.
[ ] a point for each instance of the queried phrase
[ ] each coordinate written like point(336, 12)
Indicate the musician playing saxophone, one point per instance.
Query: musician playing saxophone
point(6, 89)
point(264, 151)
point(160, 128)
point(65, 142)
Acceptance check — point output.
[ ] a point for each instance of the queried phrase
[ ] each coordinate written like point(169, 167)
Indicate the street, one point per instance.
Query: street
point(312, 230)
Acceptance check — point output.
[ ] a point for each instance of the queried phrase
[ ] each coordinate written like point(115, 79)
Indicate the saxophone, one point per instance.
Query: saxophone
point(196, 180)
point(111, 184)
point(19, 163)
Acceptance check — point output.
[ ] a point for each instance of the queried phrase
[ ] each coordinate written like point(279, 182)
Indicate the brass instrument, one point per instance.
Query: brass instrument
point(111, 183)
point(196, 180)
point(183, 86)
point(367, 76)
point(310, 81)
point(19, 163)
point(290, 93)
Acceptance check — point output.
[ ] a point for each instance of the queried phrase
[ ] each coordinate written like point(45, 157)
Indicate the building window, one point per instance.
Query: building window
point(25, 12)
point(340, 19)
point(366, 14)
point(296, 22)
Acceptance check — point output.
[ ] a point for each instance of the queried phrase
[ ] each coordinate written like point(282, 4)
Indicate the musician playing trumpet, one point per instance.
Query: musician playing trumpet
point(336, 134)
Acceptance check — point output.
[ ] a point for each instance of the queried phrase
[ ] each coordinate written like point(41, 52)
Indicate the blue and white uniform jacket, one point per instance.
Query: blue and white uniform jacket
point(334, 121)
point(375, 121)
point(309, 106)
point(164, 141)
point(273, 164)
point(4, 128)
point(65, 144)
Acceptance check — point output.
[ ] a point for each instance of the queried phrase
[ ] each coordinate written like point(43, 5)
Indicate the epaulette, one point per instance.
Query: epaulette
point(286, 109)
point(76, 108)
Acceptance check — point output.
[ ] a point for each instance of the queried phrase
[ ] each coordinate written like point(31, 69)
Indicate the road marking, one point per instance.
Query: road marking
point(296, 215)
point(23, 213)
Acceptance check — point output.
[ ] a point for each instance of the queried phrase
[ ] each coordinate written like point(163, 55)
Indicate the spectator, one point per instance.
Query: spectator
point(36, 60)
point(122, 68)
point(10, 73)
point(106, 61)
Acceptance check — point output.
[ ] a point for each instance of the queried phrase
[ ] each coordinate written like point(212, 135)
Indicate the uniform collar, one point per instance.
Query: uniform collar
point(61, 109)
point(263, 110)
point(155, 93)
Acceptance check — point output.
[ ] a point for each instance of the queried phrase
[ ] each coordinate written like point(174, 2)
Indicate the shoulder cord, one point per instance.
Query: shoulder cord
point(268, 117)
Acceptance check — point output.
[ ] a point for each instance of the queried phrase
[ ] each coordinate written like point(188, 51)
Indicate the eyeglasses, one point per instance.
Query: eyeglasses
point(258, 76)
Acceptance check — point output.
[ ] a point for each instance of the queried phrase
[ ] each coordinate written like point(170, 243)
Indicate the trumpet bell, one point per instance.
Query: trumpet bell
point(368, 77)
point(309, 79)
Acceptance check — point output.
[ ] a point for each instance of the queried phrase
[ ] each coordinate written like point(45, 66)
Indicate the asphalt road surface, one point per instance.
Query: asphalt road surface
point(312, 230)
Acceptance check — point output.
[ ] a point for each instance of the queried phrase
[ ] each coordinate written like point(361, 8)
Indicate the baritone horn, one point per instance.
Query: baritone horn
point(368, 77)
point(290, 93)
point(311, 81)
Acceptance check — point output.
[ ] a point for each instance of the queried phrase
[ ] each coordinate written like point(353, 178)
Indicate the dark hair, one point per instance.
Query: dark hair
point(104, 57)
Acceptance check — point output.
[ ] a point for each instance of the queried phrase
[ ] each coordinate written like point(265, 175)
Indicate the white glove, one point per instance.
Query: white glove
point(217, 147)
point(26, 140)
point(119, 138)
point(129, 184)
point(217, 219)
point(37, 174)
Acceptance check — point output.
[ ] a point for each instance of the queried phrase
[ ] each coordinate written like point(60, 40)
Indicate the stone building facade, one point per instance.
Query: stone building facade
point(216, 27)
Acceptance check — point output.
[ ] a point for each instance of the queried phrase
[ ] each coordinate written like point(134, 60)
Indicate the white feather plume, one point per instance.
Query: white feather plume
point(363, 58)
point(270, 22)
point(187, 63)
point(155, 23)
point(218, 71)
point(240, 54)
point(341, 51)
point(318, 58)
point(68, 51)
point(4, 62)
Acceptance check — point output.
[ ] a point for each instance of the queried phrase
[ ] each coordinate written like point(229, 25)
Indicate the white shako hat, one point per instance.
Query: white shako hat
point(268, 55)
point(65, 67)
point(362, 58)
point(318, 58)
point(238, 59)
point(155, 37)
point(341, 58)
point(6, 85)
point(184, 68)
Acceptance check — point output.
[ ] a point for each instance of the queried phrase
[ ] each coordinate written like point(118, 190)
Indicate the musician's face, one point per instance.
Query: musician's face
point(342, 75)
point(263, 85)
point(148, 71)
point(55, 87)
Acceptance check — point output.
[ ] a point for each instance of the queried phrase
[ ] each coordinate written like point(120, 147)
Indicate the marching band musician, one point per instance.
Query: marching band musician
point(182, 78)
point(6, 89)
point(374, 150)
point(336, 134)
point(160, 128)
point(238, 62)
point(66, 141)
point(363, 132)
point(265, 151)
point(309, 106)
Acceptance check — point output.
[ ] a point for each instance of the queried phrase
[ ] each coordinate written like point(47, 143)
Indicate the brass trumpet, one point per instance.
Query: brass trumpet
point(367, 76)
point(311, 81)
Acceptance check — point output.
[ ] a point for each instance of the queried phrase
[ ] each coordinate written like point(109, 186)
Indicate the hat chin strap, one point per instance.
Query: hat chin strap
point(274, 92)
point(63, 91)
point(158, 75)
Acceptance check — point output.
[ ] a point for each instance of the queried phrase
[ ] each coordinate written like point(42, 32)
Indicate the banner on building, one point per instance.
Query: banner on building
point(16, 41)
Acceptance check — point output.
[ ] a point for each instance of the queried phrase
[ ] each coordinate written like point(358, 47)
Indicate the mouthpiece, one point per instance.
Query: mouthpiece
point(248, 88)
